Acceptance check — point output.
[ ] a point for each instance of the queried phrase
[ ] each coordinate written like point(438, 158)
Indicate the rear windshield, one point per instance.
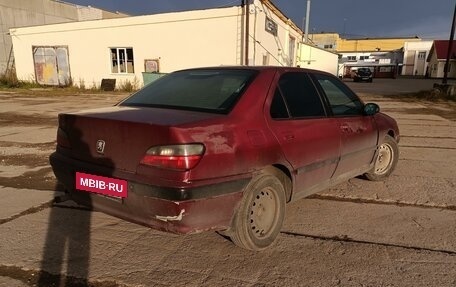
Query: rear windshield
point(364, 70)
point(202, 90)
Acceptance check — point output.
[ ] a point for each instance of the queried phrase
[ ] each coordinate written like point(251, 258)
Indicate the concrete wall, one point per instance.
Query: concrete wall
point(266, 48)
point(178, 40)
point(325, 39)
point(413, 65)
point(318, 59)
point(21, 13)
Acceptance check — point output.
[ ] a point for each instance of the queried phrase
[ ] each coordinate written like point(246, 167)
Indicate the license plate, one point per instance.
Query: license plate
point(101, 184)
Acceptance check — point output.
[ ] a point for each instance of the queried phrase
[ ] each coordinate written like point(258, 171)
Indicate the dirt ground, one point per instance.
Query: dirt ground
point(401, 232)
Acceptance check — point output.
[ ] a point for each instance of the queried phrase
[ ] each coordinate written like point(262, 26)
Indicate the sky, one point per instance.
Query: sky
point(428, 19)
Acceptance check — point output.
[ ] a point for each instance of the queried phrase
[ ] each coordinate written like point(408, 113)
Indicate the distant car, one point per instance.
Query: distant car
point(362, 74)
point(222, 149)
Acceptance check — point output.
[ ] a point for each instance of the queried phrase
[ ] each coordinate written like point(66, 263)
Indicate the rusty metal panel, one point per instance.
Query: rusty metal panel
point(63, 66)
point(51, 66)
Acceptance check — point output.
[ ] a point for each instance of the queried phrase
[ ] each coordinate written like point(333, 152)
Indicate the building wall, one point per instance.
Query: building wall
point(175, 41)
point(415, 55)
point(21, 13)
point(319, 59)
point(437, 67)
point(376, 44)
point(342, 45)
point(266, 48)
point(326, 41)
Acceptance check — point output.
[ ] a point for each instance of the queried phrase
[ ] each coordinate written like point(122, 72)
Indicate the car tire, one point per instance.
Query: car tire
point(386, 161)
point(260, 215)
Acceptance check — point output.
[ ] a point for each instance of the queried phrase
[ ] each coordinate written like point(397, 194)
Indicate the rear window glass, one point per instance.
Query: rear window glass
point(203, 90)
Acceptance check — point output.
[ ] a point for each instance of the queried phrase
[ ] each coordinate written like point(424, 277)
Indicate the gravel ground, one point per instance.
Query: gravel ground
point(401, 232)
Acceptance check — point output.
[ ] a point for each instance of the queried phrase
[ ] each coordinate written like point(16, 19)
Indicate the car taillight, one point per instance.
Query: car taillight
point(177, 157)
point(62, 138)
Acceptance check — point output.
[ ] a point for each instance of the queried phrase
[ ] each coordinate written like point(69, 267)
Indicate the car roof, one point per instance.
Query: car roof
point(258, 68)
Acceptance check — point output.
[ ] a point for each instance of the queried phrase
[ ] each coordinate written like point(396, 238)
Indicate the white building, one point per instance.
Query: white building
point(415, 55)
point(21, 13)
point(122, 49)
point(311, 57)
point(438, 57)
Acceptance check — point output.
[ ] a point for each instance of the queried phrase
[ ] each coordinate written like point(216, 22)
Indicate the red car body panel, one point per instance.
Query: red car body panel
point(314, 153)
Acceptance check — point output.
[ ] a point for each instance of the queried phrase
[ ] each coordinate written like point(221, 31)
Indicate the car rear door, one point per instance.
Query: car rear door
point(359, 135)
point(309, 139)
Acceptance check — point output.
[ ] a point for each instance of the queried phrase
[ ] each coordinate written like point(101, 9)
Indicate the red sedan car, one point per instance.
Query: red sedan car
point(223, 149)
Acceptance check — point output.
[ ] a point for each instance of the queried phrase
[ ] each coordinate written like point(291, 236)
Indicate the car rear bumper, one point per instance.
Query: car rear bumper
point(177, 210)
point(360, 78)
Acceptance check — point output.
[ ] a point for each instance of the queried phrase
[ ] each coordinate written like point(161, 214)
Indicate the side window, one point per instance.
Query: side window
point(343, 102)
point(278, 107)
point(300, 95)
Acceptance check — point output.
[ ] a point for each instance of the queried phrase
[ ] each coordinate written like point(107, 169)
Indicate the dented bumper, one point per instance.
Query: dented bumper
point(177, 210)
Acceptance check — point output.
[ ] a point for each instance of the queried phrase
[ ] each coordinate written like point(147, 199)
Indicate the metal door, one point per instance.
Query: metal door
point(51, 66)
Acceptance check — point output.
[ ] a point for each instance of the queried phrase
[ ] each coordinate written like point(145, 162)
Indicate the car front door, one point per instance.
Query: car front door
point(309, 139)
point(358, 133)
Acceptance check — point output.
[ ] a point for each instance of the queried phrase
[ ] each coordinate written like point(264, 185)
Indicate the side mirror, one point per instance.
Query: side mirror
point(371, 109)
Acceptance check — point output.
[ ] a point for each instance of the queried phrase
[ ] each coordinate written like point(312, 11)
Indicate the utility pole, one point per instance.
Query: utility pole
point(247, 31)
point(306, 32)
point(450, 49)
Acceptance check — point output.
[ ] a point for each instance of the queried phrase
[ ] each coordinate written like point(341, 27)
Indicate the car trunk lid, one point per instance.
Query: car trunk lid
point(118, 137)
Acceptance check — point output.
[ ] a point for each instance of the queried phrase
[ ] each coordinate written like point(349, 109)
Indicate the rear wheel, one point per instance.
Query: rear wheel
point(259, 218)
point(387, 157)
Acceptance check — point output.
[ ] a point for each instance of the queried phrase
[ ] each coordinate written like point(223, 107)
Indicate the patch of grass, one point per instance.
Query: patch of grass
point(128, 86)
point(10, 83)
point(430, 95)
point(9, 80)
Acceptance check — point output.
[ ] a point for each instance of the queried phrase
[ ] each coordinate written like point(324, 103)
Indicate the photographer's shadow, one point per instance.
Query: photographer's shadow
point(67, 245)
point(66, 253)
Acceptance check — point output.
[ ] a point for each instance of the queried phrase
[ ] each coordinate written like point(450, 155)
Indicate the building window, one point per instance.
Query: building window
point(265, 59)
point(363, 57)
point(421, 55)
point(351, 58)
point(122, 61)
point(328, 46)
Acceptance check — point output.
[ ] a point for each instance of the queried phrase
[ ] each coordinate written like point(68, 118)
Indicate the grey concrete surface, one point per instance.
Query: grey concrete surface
point(395, 86)
point(16, 201)
point(400, 232)
point(8, 282)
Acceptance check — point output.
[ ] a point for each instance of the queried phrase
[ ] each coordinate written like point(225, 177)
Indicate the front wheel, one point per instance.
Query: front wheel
point(387, 157)
point(259, 218)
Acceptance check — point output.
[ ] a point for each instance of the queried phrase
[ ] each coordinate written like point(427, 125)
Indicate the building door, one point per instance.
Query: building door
point(291, 51)
point(420, 64)
point(51, 66)
point(409, 63)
